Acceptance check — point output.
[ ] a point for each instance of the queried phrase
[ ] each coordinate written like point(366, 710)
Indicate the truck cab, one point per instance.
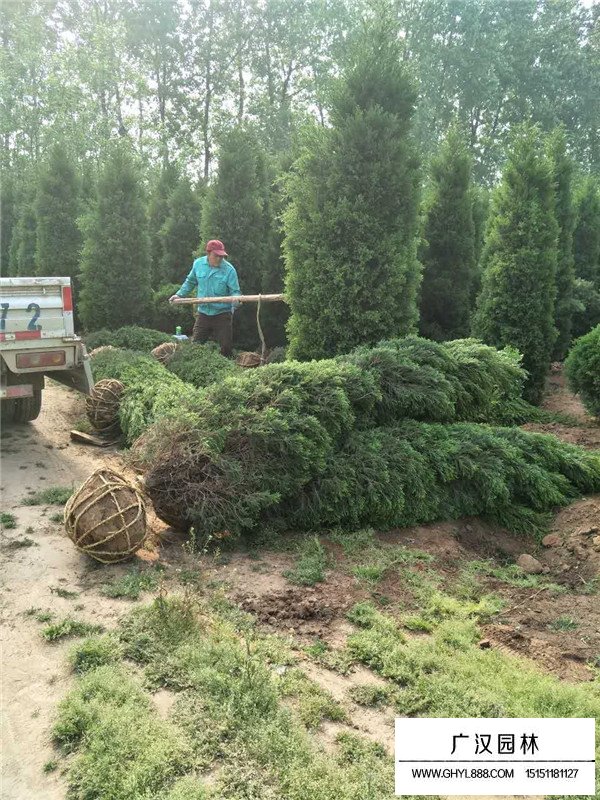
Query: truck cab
point(37, 339)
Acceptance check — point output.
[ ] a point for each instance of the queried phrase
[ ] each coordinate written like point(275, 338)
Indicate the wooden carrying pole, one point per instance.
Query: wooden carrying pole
point(241, 298)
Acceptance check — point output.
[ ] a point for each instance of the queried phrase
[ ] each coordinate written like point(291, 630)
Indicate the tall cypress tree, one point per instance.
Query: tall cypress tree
point(562, 167)
point(158, 211)
point(448, 252)
point(586, 237)
point(115, 257)
point(58, 239)
point(21, 258)
point(180, 234)
point(7, 218)
point(235, 210)
point(516, 304)
point(351, 226)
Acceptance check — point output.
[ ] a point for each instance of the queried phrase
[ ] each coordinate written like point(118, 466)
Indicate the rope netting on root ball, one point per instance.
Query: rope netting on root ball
point(106, 517)
point(164, 352)
point(102, 405)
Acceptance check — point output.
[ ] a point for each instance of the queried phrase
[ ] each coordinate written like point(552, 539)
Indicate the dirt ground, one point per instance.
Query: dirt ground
point(36, 674)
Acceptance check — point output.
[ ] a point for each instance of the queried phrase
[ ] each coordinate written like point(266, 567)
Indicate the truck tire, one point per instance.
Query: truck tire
point(27, 409)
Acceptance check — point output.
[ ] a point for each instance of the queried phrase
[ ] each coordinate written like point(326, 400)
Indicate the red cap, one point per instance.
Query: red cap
point(216, 247)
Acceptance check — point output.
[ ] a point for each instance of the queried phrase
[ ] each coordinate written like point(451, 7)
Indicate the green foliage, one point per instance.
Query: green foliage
point(68, 627)
point(351, 224)
point(179, 234)
point(586, 307)
point(167, 316)
point(164, 182)
point(56, 211)
point(311, 565)
point(130, 337)
point(122, 749)
point(132, 584)
point(94, 652)
point(586, 237)
point(8, 520)
point(516, 304)
point(200, 364)
point(583, 370)
point(23, 241)
point(52, 496)
point(562, 167)
point(236, 210)
point(413, 473)
point(8, 218)
point(115, 258)
point(150, 390)
point(448, 251)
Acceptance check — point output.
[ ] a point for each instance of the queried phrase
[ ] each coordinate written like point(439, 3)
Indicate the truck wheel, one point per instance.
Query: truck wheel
point(27, 409)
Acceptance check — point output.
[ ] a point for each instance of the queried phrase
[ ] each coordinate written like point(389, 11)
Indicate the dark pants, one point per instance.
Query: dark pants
point(216, 327)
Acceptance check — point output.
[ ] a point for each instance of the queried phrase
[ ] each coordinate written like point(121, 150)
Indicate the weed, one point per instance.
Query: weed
point(8, 520)
point(133, 583)
point(312, 704)
point(18, 544)
point(590, 587)
point(416, 622)
point(50, 766)
point(354, 542)
point(44, 616)
point(563, 624)
point(369, 573)
point(69, 627)
point(311, 564)
point(66, 594)
point(95, 652)
point(53, 496)
point(56, 517)
point(29, 529)
point(513, 575)
point(41, 465)
point(372, 695)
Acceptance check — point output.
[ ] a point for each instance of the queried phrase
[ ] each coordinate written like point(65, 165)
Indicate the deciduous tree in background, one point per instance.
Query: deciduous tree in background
point(448, 252)
point(115, 256)
point(58, 239)
point(350, 230)
point(516, 304)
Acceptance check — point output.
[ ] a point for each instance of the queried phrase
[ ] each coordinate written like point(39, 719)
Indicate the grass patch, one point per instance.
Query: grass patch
point(311, 564)
point(50, 766)
point(93, 652)
point(18, 544)
point(68, 627)
point(312, 703)
point(372, 695)
point(8, 520)
point(53, 496)
point(564, 624)
point(513, 575)
point(133, 583)
point(56, 517)
point(44, 616)
point(66, 594)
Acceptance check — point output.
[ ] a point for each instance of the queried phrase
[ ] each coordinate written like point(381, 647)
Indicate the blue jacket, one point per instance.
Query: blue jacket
point(210, 281)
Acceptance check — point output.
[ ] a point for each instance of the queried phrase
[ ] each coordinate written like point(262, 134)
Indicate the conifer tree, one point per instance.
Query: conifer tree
point(7, 218)
point(586, 237)
point(158, 211)
point(562, 167)
point(448, 252)
point(236, 211)
point(180, 234)
point(481, 210)
point(352, 273)
point(23, 241)
point(516, 304)
point(115, 257)
point(58, 238)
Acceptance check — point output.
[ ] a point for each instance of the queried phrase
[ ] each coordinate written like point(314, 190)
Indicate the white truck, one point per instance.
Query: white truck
point(37, 338)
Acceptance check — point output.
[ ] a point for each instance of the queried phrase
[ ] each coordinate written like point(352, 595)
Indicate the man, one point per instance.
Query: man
point(212, 276)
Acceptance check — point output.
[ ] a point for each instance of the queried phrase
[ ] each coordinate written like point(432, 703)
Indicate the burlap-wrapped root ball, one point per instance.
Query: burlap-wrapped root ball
point(164, 352)
point(106, 517)
point(248, 360)
point(102, 405)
